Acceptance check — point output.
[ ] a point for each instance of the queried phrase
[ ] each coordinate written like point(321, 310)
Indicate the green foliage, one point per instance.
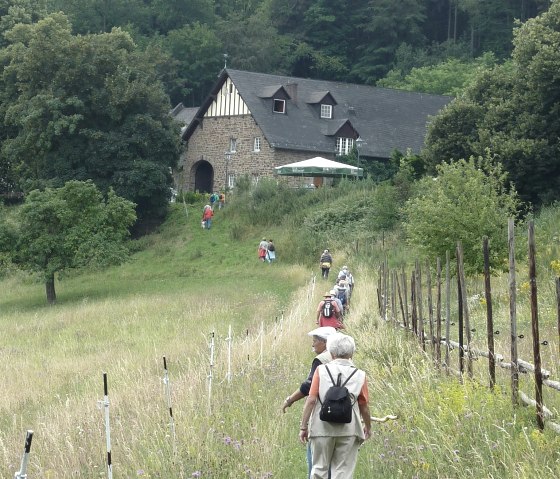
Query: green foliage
point(190, 197)
point(514, 110)
point(86, 107)
point(70, 227)
point(447, 78)
point(465, 202)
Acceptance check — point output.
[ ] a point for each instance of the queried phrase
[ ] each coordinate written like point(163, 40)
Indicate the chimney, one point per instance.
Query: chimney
point(351, 111)
point(291, 88)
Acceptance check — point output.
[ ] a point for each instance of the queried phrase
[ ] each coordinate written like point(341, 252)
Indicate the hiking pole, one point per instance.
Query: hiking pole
point(22, 473)
point(211, 373)
point(168, 397)
point(386, 418)
point(107, 426)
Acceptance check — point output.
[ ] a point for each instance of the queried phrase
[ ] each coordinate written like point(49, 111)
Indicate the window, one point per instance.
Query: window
point(231, 181)
point(344, 146)
point(279, 106)
point(257, 144)
point(326, 111)
point(233, 145)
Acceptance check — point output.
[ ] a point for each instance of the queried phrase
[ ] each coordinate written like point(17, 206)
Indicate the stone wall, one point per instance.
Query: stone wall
point(211, 140)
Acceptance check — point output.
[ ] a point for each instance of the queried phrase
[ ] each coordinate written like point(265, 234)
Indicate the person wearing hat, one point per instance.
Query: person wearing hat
point(322, 356)
point(325, 263)
point(328, 312)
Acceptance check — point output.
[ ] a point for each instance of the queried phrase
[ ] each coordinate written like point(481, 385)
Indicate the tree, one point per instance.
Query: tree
point(465, 202)
point(69, 227)
point(86, 107)
point(449, 77)
point(513, 110)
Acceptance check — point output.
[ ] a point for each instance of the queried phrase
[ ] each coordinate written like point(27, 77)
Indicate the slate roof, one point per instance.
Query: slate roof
point(183, 114)
point(385, 119)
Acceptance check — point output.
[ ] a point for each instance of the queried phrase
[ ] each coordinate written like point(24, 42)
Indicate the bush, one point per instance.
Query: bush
point(465, 202)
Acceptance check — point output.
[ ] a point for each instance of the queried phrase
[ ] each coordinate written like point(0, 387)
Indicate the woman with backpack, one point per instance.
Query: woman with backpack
point(325, 262)
point(328, 312)
point(334, 410)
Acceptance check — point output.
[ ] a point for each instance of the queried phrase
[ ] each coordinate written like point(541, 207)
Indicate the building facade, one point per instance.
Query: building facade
point(251, 123)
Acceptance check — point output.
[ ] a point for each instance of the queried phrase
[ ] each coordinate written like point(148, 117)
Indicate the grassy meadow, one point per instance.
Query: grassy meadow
point(182, 284)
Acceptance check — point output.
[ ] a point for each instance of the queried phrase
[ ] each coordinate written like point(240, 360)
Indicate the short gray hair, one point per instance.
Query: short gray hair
point(341, 346)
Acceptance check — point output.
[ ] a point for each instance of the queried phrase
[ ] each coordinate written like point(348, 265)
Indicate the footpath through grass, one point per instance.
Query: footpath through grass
point(182, 284)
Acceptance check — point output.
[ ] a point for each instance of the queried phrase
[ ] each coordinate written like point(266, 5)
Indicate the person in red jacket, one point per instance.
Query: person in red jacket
point(207, 216)
point(328, 313)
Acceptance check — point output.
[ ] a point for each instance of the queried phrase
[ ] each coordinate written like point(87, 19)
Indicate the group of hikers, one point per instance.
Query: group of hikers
point(336, 302)
point(266, 251)
point(208, 210)
point(336, 418)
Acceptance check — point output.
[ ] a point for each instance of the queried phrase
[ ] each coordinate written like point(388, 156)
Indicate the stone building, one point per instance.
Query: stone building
point(252, 122)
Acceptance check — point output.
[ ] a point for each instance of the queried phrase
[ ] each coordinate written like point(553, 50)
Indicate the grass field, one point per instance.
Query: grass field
point(184, 283)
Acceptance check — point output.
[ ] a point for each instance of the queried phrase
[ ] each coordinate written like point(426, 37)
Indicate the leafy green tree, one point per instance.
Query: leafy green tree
point(69, 227)
point(514, 110)
point(465, 202)
point(449, 77)
point(86, 107)
point(198, 50)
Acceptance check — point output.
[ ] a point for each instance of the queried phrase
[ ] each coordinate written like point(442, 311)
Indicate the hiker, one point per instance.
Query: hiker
point(335, 297)
point(221, 200)
point(349, 278)
point(207, 214)
point(325, 262)
point(319, 345)
point(213, 200)
point(342, 292)
point(270, 251)
point(335, 445)
point(262, 249)
point(328, 313)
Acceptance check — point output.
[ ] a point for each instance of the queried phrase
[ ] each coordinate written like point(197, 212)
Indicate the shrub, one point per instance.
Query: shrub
point(465, 202)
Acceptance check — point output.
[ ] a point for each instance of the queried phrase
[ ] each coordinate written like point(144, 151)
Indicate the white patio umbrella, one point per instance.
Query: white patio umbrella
point(319, 166)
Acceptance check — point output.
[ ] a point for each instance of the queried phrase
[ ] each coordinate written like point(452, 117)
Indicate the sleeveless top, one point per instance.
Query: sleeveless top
point(354, 386)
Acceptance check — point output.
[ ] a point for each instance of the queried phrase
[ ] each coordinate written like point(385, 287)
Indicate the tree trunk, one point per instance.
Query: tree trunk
point(49, 287)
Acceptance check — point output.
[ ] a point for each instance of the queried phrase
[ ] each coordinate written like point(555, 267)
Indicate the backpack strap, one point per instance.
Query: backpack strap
point(348, 378)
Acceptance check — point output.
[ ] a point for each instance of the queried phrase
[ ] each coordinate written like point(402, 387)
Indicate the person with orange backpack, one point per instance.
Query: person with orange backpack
point(328, 313)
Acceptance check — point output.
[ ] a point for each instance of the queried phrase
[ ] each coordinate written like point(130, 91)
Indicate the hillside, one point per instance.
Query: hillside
point(179, 294)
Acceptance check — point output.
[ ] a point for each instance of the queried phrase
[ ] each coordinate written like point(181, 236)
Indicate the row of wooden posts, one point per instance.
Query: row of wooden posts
point(393, 298)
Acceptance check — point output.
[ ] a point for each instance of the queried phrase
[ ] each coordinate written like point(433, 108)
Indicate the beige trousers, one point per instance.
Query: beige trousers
point(340, 453)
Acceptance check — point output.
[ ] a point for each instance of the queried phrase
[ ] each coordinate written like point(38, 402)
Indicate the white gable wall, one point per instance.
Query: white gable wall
point(228, 102)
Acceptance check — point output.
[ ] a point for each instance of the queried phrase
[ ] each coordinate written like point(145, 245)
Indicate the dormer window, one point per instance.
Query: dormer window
point(279, 106)
point(326, 111)
point(344, 146)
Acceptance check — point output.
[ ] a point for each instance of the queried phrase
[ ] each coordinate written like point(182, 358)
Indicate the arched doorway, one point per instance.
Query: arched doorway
point(203, 177)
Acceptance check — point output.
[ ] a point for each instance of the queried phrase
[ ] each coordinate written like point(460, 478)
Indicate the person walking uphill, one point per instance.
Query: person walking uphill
point(335, 444)
point(207, 216)
point(319, 345)
point(263, 249)
point(328, 312)
point(325, 262)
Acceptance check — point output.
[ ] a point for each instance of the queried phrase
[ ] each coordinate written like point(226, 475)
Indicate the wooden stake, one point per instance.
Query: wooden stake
point(430, 306)
point(405, 295)
point(535, 326)
point(420, 315)
point(513, 315)
point(460, 314)
point(447, 309)
point(438, 313)
point(467, 322)
point(558, 310)
point(489, 318)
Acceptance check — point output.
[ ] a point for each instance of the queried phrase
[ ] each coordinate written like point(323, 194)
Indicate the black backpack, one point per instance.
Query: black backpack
point(337, 406)
point(327, 308)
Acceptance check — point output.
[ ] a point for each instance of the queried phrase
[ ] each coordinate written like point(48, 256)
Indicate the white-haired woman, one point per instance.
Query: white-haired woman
point(335, 445)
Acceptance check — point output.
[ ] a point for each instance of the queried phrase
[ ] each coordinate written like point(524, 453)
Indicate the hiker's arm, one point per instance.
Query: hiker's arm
point(308, 408)
point(363, 405)
point(292, 398)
